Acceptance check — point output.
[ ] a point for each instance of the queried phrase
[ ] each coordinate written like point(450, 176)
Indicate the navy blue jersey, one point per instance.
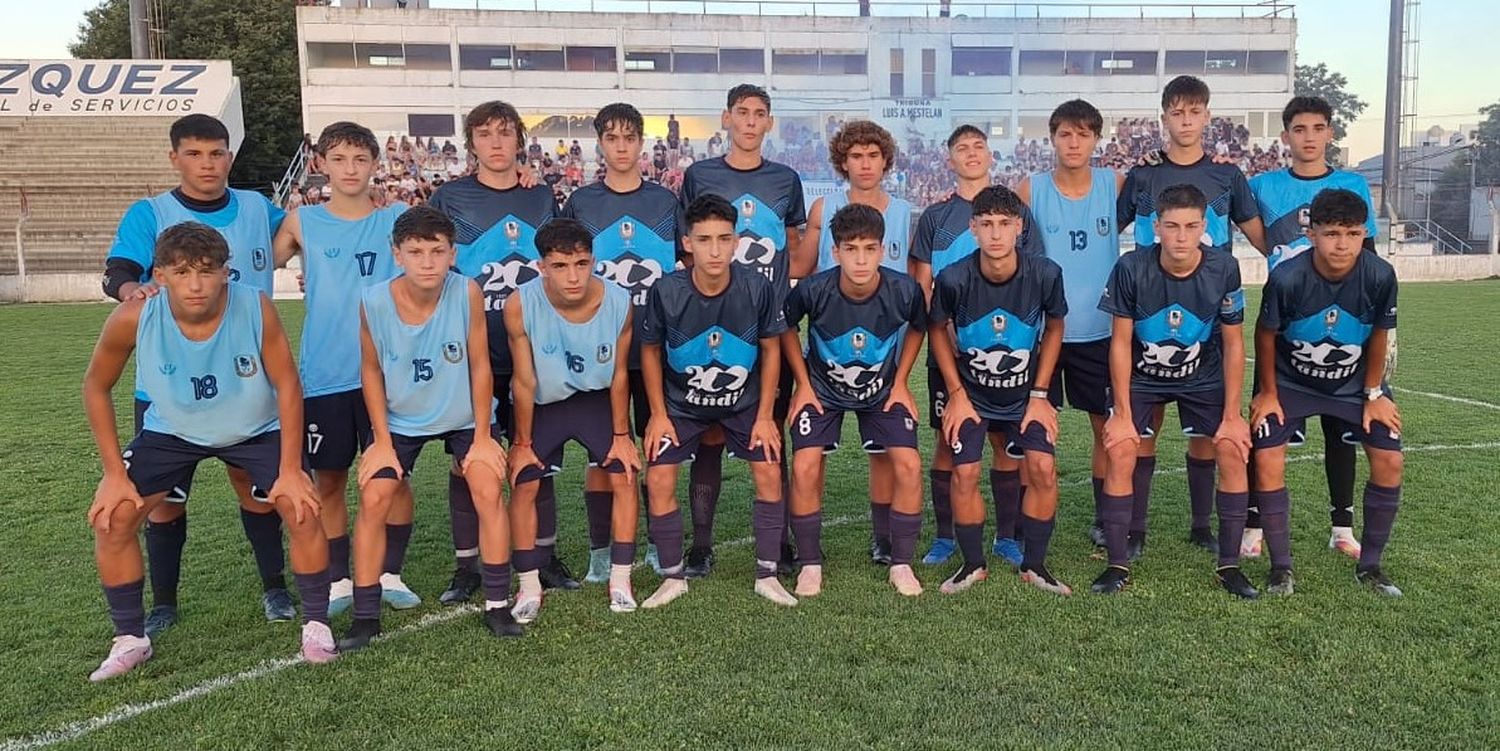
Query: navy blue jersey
point(1322, 327)
point(1178, 345)
point(711, 344)
point(997, 328)
point(1284, 197)
point(854, 346)
point(496, 244)
point(768, 199)
point(637, 239)
point(1228, 193)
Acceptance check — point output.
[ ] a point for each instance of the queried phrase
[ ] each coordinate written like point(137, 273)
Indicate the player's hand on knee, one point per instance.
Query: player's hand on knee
point(901, 395)
point(765, 435)
point(802, 398)
point(522, 455)
point(623, 450)
point(1234, 431)
point(486, 453)
point(1263, 407)
point(297, 489)
point(380, 455)
point(1041, 412)
point(958, 411)
point(1383, 411)
point(1119, 428)
point(114, 489)
point(660, 433)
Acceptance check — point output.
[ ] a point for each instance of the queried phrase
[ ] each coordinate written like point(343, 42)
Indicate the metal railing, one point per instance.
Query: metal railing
point(895, 8)
point(292, 179)
point(1443, 241)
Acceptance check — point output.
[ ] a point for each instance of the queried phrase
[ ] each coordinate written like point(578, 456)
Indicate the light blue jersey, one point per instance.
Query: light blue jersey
point(247, 231)
point(572, 357)
point(211, 393)
point(897, 232)
point(340, 259)
point(1081, 236)
point(1284, 197)
point(426, 365)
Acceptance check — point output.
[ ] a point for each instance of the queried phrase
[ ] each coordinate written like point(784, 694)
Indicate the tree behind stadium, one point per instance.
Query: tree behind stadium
point(1318, 80)
point(259, 38)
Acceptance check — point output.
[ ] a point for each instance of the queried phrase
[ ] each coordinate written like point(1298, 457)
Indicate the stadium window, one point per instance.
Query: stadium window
point(898, 72)
point(1184, 61)
point(651, 61)
point(1225, 61)
point(330, 55)
point(844, 63)
point(591, 59)
point(429, 125)
point(981, 61)
point(1269, 62)
point(1126, 63)
point(1081, 63)
point(1042, 63)
point(695, 61)
point(742, 61)
point(428, 57)
point(794, 63)
point(379, 55)
point(484, 57)
point(929, 72)
point(540, 59)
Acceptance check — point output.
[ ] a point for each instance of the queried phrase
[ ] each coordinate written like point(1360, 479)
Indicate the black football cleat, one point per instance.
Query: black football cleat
point(699, 563)
point(1135, 546)
point(461, 587)
point(1204, 538)
point(501, 623)
point(1233, 580)
point(161, 618)
point(1377, 581)
point(1281, 582)
point(360, 632)
point(1112, 580)
point(880, 551)
point(1096, 534)
point(555, 575)
point(787, 564)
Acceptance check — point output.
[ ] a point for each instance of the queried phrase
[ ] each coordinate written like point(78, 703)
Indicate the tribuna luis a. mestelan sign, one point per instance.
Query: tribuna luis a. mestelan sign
point(113, 87)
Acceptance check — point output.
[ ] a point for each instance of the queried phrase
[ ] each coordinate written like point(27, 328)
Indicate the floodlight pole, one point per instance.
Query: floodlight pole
point(1390, 168)
point(140, 34)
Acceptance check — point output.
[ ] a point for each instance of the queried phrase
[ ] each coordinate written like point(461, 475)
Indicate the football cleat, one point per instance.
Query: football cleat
point(966, 576)
point(1377, 581)
point(278, 606)
point(941, 551)
point(317, 643)
point(1204, 538)
point(461, 587)
point(1233, 580)
point(1111, 580)
point(1008, 549)
point(360, 632)
point(1043, 579)
point(161, 618)
point(1280, 582)
point(555, 575)
point(125, 654)
point(1343, 540)
point(395, 593)
point(501, 623)
point(699, 563)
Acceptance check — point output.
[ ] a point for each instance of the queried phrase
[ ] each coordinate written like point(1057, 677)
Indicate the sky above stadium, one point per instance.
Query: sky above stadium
point(1457, 51)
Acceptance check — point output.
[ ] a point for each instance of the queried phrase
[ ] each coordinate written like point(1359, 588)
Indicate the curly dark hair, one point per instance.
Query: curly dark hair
point(860, 133)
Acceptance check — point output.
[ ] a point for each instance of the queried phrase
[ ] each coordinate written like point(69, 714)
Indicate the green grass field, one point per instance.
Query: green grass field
point(1172, 663)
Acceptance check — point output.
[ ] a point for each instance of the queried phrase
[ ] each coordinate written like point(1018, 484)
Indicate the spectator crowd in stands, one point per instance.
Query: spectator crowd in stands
point(411, 168)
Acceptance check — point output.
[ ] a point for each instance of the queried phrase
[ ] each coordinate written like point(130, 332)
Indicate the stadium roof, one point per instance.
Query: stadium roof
point(878, 8)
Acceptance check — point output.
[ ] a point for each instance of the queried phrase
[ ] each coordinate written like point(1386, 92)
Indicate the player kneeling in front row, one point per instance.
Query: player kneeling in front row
point(711, 355)
point(1006, 312)
point(569, 333)
point(218, 370)
point(865, 327)
point(422, 382)
point(1320, 346)
point(1177, 313)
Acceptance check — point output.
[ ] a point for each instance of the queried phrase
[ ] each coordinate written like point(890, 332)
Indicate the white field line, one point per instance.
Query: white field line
point(75, 730)
point(1447, 398)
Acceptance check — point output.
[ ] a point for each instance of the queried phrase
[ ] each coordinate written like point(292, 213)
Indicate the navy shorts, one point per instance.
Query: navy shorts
point(456, 443)
point(179, 492)
point(1199, 412)
point(690, 432)
point(337, 426)
point(937, 398)
point(640, 406)
point(971, 440)
point(583, 417)
point(1298, 406)
point(503, 414)
point(162, 463)
point(1083, 374)
point(878, 429)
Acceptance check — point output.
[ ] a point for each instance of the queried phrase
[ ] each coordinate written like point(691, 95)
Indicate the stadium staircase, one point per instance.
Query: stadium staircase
point(78, 175)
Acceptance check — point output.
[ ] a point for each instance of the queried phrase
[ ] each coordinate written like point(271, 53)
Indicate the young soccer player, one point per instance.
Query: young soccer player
point(1185, 115)
point(200, 154)
point(1074, 206)
point(1320, 347)
point(497, 211)
point(865, 326)
point(635, 225)
point(346, 248)
point(216, 367)
point(943, 237)
point(862, 153)
point(1284, 197)
point(710, 354)
point(1177, 311)
point(768, 198)
point(997, 329)
point(422, 381)
point(569, 331)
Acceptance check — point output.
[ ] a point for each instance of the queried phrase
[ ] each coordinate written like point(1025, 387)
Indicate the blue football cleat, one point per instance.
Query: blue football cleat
point(1009, 549)
point(942, 549)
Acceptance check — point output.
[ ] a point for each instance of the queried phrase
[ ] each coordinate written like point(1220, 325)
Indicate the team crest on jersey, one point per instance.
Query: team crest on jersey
point(331, 253)
point(1330, 319)
point(1174, 321)
point(258, 259)
point(857, 339)
point(549, 348)
point(997, 323)
point(167, 368)
point(244, 366)
point(1102, 226)
point(604, 353)
point(893, 251)
point(747, 209)
point(453, 352)
point(627, 231)
point(715, 339)
point(513, 232)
